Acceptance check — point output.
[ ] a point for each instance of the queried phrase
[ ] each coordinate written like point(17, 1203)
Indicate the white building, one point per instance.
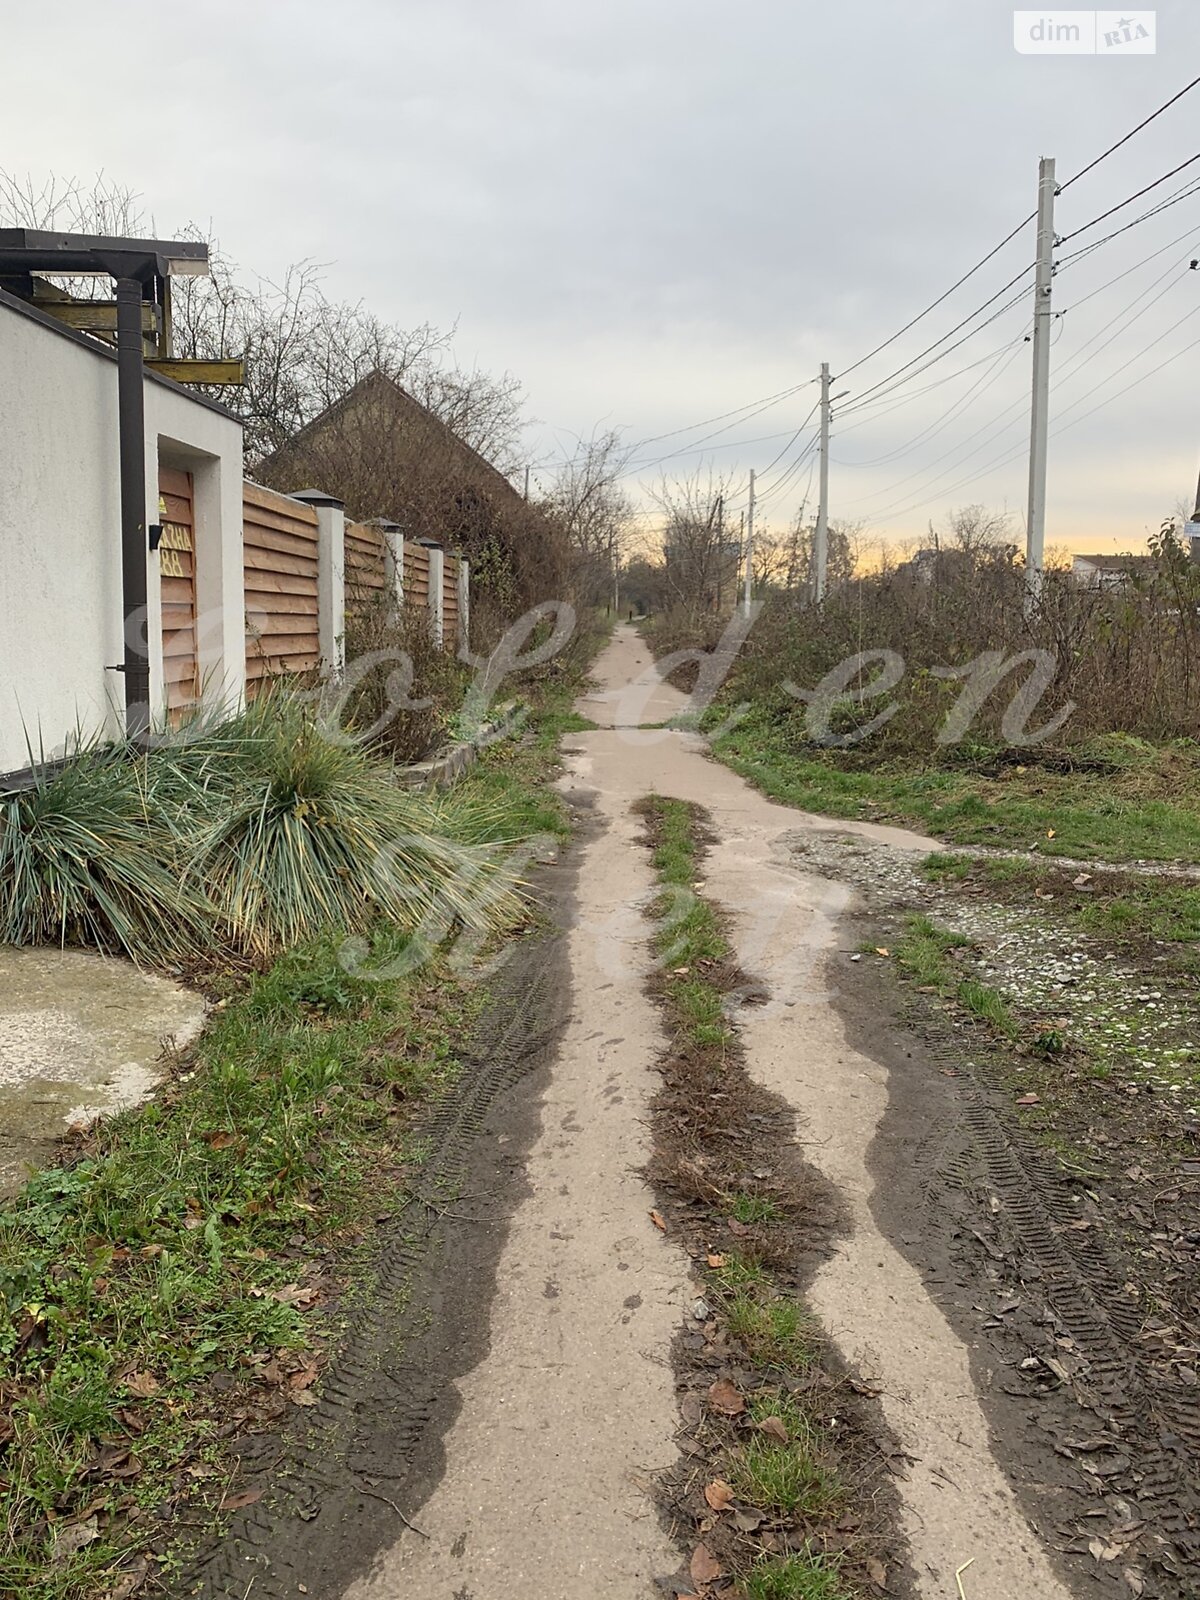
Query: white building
point(61, 614)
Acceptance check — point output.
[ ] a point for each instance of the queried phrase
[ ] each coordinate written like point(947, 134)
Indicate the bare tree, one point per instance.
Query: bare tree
point(596, 513)
point(701, 554)
point(303, 351)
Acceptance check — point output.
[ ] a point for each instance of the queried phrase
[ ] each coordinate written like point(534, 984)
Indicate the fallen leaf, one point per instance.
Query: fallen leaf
point(882, 950)
point(877, 1572)
point(680, 972)
point(132, 1580)
point(723, 1397)
point(716, 1261)
point(303, 1379)
point(1030, 1100)
point(73, 1538)
point(218, 1139)
point(1050, 833)
point(659, 1221)
point(773, 1426)
point(293, 1295)
point(142, 1384)
point(235, 1502)
point(1105, 1552)
point(704, 1567)
point(718, 1494)
point(305, 1397)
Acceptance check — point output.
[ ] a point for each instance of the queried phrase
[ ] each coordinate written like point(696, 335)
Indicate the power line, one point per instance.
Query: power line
point(1077, 255)
point(982, 262)
point(1128, 201)
point(1154, 254)
point(1145, 123)
point(771, 467)
point(999, 364)
point(861, 400)
point(1015, 231)
point(1005, 459)
point(762, 404)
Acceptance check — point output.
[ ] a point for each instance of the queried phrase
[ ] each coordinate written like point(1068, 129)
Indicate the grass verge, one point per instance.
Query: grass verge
point(1122, 799)
point(790, 1500)
point(175, 1277)
point(178, 1280)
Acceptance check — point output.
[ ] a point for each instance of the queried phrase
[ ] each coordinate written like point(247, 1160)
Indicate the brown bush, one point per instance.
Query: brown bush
point(380, 698)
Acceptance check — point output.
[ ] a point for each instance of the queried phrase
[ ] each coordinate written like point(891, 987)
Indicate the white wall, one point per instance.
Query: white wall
point(60, 538)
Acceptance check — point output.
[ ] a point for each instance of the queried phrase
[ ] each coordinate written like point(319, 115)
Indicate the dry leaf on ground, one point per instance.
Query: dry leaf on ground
point(723, 1397)
point(704, 1568)
point(718, 1494)
point(774, 1427)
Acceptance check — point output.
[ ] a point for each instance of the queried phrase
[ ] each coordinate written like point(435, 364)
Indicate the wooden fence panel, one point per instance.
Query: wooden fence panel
point(416, 575)
point(177, 588)
point(366, 566)
point(281, 566)
point(450, 602)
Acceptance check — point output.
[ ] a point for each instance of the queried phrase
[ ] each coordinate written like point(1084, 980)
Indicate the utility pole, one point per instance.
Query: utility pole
point(749, 549)
point(1035, 524)
point(821, 540)
point(526, 483)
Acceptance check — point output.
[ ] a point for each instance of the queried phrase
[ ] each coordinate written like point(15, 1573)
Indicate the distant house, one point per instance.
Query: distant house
point(1109, 572)
point(388, 456)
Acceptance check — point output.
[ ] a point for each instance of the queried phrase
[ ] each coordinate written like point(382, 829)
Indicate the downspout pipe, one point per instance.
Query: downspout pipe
point(131, 415)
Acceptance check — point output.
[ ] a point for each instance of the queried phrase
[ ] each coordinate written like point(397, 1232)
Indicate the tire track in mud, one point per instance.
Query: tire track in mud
point(1156, 1424)
point(332, 1477)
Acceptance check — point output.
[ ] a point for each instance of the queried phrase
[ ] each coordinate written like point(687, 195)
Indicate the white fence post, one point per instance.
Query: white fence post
point(393, 561)
point(437, 595)
point(464, 606)
point(331, 575)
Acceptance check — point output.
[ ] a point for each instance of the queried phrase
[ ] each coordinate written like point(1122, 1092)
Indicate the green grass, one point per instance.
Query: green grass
point(741, 1272)
point(170, 1248)
point(162, 1249)
point(791, 1478)
point(754, 1208)
point(776, 1331)
point(795, 1577)
point(987, 1004)
point(1166, 911)
point(1144, 808)
point(922, 951)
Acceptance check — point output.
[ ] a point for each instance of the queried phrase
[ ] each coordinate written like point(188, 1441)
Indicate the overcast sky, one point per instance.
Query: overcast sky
point(656, 212)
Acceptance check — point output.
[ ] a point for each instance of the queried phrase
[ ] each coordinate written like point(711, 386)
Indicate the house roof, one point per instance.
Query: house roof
point(377, 384)
point(1114, 563)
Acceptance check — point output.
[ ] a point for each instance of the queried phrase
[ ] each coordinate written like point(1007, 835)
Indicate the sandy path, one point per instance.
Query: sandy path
point(574, 1403)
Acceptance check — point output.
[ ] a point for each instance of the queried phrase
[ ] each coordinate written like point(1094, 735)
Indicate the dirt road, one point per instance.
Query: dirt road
point(544, 1491)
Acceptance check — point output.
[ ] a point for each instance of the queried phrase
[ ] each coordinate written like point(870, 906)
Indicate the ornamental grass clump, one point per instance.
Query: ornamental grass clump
point(249, 836)
point(318, 836)
point(87, 856)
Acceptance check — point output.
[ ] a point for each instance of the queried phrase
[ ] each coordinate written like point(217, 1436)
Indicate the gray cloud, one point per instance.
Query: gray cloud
point(655, 212)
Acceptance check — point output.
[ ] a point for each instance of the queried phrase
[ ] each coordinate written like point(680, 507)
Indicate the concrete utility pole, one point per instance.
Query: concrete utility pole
point(821, 542)
point(1035, 525)
point(749, 549)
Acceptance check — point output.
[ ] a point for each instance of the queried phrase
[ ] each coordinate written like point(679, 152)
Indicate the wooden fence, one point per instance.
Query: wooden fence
point(281, 564)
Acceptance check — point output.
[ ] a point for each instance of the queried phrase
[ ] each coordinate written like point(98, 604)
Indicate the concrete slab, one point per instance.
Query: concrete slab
point(81, 1036)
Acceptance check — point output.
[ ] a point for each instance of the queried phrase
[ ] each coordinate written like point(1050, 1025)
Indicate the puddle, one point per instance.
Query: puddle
point(81, 1036)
